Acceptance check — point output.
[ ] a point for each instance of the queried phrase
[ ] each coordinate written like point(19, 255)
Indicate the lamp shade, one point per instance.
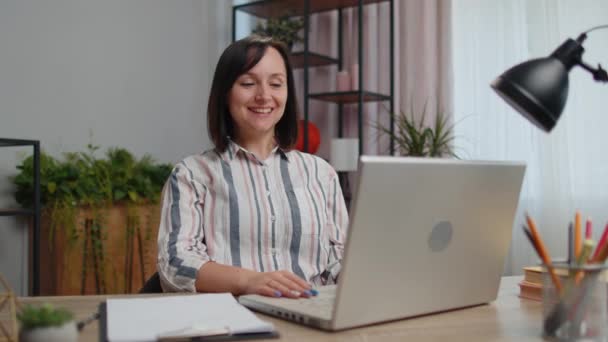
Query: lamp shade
point(344, 154)
point(538, 89)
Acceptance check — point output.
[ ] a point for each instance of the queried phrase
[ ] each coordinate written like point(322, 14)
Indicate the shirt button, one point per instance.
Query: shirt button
point(274, 251)
point(268, 193)
point(272, 218)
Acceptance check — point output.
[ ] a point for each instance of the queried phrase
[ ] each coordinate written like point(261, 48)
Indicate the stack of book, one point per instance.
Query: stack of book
point(531, 287)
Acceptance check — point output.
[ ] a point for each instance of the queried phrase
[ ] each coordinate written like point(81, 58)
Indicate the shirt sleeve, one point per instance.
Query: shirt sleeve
point(181, 251)
point(337, 226)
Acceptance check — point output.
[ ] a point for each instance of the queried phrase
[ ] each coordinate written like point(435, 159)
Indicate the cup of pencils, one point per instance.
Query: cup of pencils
point(578, 311)
point(574, 291)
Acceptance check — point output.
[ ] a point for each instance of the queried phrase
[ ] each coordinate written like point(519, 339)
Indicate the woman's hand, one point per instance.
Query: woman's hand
point(277, 284)
point(214, 277)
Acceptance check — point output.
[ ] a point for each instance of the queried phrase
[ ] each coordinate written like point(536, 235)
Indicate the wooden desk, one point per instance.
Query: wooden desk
point(509, 318)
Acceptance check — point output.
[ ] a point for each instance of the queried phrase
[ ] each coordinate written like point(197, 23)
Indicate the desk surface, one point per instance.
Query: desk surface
point(509, 318)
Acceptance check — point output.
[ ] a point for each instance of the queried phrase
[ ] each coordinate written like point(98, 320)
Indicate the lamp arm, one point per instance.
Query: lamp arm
point(599, 74)
point(596, 28)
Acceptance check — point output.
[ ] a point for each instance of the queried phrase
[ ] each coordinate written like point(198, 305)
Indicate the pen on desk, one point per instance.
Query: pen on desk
point(600, 244)
point(588, 229)
point(543, 254)
point(577, 234)
point(81, 324)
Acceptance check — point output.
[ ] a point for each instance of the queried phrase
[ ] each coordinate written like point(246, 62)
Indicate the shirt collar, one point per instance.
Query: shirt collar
point(233, 149)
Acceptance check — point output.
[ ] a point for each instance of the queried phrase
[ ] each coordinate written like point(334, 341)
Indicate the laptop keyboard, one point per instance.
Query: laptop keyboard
point(320, 305)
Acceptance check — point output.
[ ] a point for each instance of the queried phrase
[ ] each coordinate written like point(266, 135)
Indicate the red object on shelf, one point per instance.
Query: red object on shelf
point(314, 137)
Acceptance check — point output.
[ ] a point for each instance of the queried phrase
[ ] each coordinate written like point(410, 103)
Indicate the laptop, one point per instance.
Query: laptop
point(425, 236)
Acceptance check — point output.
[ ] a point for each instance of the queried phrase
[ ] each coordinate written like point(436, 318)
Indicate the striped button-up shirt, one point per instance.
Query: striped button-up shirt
point(283, 213)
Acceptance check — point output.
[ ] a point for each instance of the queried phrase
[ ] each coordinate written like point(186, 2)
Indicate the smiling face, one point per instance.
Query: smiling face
point(257, 99)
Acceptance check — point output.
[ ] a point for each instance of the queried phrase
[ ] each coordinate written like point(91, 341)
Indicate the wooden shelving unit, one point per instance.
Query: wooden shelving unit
point(297, 8)
point(306, 59)
point(34, 213)
point(314, 60)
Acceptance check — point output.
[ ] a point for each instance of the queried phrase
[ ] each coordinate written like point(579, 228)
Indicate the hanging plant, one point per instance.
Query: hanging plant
point(82, 180)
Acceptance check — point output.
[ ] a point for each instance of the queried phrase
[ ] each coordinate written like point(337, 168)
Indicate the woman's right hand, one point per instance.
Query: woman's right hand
point(277, 284)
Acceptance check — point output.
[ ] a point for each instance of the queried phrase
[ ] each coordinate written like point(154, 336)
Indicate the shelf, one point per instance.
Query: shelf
point(16, 212)
point(314, 60)
point(16, 142)
point(349, 96)
point(278, 8)
point(266, 9)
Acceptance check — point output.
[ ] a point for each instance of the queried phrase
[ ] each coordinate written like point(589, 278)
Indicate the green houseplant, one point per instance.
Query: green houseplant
point(46, 323)
point(413, 137)
point(284, 29)
point(79, 194)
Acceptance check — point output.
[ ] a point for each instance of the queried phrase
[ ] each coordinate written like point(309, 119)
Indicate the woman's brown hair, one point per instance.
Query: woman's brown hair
point(238, 58)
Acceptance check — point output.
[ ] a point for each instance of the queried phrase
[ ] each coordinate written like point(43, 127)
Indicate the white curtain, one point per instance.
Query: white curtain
point(568, 168)
point(423, 59)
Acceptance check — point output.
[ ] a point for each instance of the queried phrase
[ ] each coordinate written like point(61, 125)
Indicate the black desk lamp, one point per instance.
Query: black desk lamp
point(538, 88)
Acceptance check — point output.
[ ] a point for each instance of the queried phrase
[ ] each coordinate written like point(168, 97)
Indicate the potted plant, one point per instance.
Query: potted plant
point(284, 29)
point(417, 139)
point(46, 323)
point(99, 219)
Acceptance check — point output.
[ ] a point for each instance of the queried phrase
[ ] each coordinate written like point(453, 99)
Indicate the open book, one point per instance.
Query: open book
point(181, 316)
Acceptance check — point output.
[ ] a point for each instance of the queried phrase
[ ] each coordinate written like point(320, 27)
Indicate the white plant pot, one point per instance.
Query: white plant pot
point(63, 333)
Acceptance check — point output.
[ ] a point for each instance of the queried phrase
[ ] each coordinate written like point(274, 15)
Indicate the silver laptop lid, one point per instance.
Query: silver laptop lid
point(426, 235)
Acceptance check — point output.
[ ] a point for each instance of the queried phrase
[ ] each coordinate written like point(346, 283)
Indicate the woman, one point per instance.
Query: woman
point(252, 216)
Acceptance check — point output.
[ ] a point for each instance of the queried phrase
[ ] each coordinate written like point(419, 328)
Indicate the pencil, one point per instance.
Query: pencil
point(586, 252)
point(582, 259)
point(543, 254)
point(603, 254)
point(588, 229)
point(577, 234)
point(530, 238)
point(600, 245)
point(571, 257)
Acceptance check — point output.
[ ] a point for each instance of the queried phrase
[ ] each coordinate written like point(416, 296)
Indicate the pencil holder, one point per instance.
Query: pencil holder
point(578, 311)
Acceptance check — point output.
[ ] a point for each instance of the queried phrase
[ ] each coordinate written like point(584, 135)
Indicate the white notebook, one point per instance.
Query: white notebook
point(174, 316)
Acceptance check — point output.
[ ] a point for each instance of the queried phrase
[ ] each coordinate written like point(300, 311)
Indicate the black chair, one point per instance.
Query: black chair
point(152, 285)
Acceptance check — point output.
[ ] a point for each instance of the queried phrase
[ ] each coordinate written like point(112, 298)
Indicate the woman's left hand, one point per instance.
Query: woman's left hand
point(277, 284)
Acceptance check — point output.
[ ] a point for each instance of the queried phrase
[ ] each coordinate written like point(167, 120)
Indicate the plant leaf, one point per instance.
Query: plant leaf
point(413, 137)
